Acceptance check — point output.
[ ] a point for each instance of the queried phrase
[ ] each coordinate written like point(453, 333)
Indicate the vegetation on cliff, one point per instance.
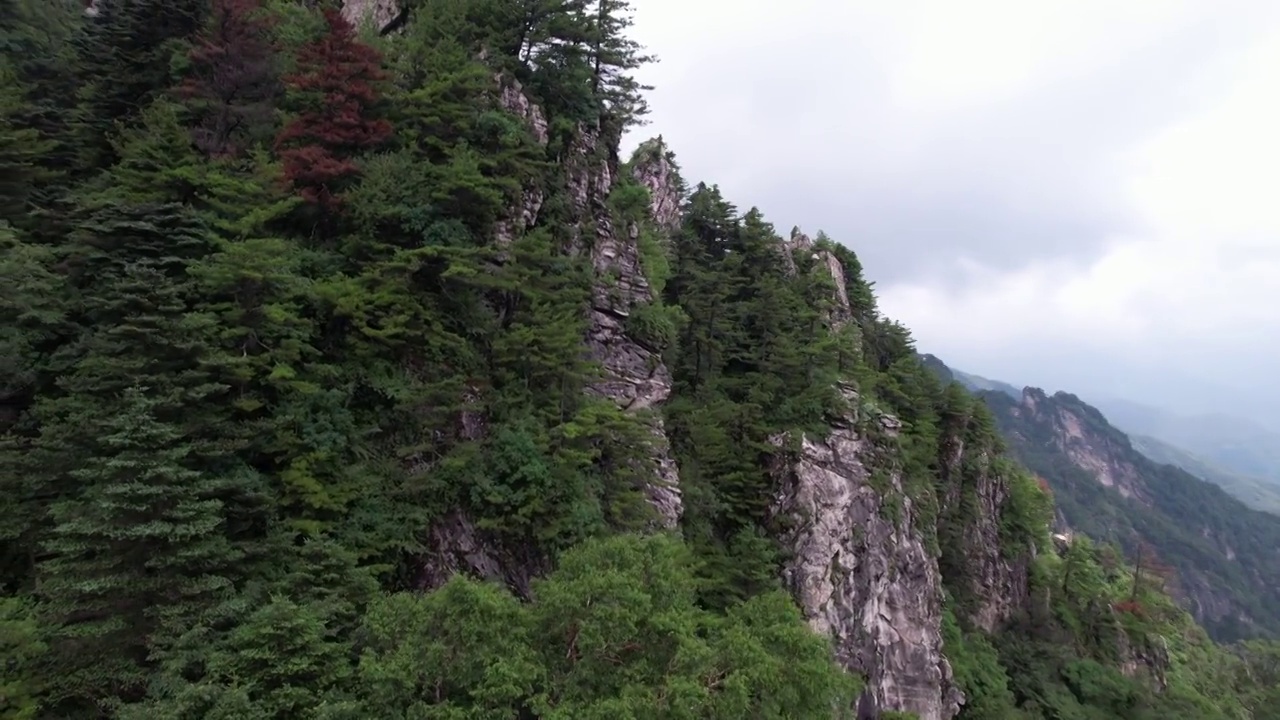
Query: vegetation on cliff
point(261, 332)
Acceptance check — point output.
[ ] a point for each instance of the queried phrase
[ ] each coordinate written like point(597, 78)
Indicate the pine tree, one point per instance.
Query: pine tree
point(124, 60)
point(337, 84)
point(232, 82)
point(613, 57)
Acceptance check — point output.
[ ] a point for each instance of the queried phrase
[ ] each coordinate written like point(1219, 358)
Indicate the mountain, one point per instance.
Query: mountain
point(1223, 552)
point(1236, 445)
point(1241, 442)
point(355, 374)
point(1141, 492)
point(1258, 493)
point(977, 383)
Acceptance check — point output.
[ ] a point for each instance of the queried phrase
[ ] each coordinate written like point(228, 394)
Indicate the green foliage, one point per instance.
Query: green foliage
point(23, 648)
point(239, 441)
point(615, 631)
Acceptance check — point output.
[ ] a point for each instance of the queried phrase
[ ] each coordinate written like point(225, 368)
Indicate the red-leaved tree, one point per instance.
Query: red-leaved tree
point(337, 82)
point(233, 82)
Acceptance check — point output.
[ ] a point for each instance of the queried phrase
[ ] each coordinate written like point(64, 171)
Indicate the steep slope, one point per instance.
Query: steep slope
point(1256, 491)
point(1223, 552)
point(978, 383)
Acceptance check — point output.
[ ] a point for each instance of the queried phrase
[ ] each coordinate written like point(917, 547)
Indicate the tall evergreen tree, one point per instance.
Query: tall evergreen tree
point(233, 79)
point(336, 83)
point(614, 57)
point(137, 550)
point(124, 58)
point(21, 150)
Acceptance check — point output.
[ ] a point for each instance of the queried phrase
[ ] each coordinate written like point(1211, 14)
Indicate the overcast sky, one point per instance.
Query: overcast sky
point(1074, 194)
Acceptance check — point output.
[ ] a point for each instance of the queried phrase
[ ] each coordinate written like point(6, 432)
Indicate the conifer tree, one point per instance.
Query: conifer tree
point(613, 57)
point(136, 551)
point(232, 82)
point(34, 326)
point(21, 150)
point(124, 60)
point(336, 83)
point(38, 88)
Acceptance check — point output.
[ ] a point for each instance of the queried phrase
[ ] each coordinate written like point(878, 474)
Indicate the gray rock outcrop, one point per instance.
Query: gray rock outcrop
point(973, 503)
point(861, 571)
point(382, 13)
point(635, 377)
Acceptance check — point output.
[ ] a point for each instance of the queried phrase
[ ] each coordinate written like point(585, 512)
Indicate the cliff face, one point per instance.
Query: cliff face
point(384, 14)
point(973, 500)
point(863, 567)
point(860, 564)
point(841, 312)
point(635, 376)
point(1101, 454)
point(860, 572)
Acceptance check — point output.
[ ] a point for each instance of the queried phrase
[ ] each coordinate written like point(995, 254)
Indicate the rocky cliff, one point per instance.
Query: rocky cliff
point(864, 561)
point(385, 15)
point(860, 568)
point(635, 376)
point(989, 577)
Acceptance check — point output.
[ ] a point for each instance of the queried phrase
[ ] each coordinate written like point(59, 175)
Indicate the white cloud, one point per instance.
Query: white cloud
point(1028, 180)
point(1207, 268)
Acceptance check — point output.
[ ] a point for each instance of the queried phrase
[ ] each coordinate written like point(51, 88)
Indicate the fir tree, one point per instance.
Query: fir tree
point(336, 84)
point(21, 150)
point(124, 58)
point(136, 551)
point(232, 82)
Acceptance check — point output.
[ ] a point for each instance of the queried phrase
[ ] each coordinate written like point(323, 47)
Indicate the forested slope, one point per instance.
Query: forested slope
point(349, 374)
point(1223, 552)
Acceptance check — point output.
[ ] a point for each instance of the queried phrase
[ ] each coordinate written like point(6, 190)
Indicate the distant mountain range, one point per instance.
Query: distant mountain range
point(1142, 494)
point(1234, 445)
point(1239, 455)
point(977, 382)
point(1256, 492)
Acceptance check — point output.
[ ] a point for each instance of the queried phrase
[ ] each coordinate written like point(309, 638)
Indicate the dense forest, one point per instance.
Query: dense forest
point(300, 417)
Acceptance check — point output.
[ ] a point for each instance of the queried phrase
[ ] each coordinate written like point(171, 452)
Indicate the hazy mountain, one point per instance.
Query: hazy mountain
point(1235, 445)
point(1224, 553)
point(1260, 493)
point(1148, 495)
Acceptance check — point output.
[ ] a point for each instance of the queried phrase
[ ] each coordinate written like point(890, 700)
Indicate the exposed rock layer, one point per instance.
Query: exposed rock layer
point(861, 572)
point(382, 13)
point(996, 586)
point(635, 376)
point(1227, 582)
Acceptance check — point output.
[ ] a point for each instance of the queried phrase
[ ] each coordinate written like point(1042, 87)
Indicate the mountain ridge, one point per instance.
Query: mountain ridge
point(1107, 488)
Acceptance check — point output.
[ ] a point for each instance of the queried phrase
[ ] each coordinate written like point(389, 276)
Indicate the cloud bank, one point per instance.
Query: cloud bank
point(1079, 195)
